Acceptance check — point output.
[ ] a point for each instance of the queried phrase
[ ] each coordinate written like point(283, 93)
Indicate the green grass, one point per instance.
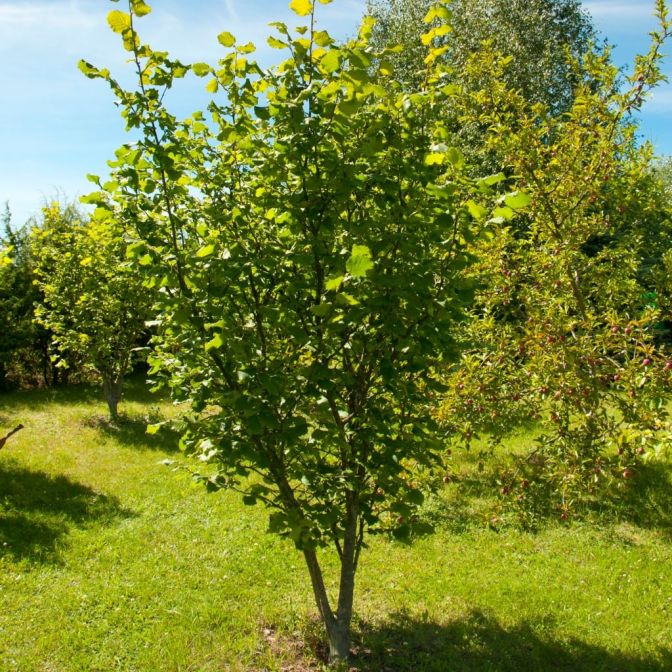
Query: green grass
point(110, 561)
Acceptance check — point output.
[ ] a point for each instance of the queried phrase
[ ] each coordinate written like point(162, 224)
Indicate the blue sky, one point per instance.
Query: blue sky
point(56, 125)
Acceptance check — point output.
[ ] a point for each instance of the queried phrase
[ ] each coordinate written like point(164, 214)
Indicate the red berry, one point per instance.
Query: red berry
point(646, 361)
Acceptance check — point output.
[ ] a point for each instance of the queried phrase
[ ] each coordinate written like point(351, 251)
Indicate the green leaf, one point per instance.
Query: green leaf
point(153, 429)
point(333, 283)
point(140, 8)
point(322, 38)
point(492, 180)
point(212, 86)
point(437, 12)
point(360, 262)
point(435, 159)
point(505, 213)
point(215, 344)
point(321, 309)
point(475, 210)
point(301, 7)
point(226, 39)
point(346, 299)
point(518, 200)
point(205, 251)
point(119, 21)
point(275, 43)
point(200, 69)
point(89, 70)
point(331, 61)
point(455, 157)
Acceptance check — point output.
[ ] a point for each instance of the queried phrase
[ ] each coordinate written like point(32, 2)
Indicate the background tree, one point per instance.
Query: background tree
point(540, 37)
point(24, 345)
point(93, 303)
point(574, 294)
point(307, 242)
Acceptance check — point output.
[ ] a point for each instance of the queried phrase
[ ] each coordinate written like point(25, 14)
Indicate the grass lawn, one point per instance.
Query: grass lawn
point(110, 561)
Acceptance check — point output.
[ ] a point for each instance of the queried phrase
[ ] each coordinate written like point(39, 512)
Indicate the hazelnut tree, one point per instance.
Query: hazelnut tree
point(306, 239)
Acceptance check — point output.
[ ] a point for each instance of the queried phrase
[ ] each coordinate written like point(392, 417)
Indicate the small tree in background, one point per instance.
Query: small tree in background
point(93, 303)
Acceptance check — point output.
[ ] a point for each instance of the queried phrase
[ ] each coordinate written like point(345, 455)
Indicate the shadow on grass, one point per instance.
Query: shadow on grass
point(481, 644)
point(473, 501)
point(136, 389)
point(132, 432)
point(38, 510)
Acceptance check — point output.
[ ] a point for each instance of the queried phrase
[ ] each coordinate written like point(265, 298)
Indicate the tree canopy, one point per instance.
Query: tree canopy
point(539, 36)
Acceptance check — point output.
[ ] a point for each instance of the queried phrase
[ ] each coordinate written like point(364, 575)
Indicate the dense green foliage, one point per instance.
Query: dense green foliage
point(25, 356)
point(540, 37)
point(307, 242)
point(570, 322)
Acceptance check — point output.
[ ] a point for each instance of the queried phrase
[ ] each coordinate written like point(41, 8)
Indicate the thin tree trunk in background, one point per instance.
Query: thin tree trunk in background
point(112, 387)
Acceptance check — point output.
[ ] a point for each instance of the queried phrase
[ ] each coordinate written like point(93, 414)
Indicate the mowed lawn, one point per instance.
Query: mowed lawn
point(111, 560)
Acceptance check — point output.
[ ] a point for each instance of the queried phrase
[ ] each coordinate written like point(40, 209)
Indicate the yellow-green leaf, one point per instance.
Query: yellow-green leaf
point(119, 21)
point(226, 39)
point(437, 12)
point(140, 7)
point(322, 38)
point(435, 159)
point(331, 61)
point(275, 43)
point(333, 283)
point(200, 69)
point(518, 200)
point(215, 344)
point(205, 251)
point(475, 210)
point(360, 262)
point(301, 7)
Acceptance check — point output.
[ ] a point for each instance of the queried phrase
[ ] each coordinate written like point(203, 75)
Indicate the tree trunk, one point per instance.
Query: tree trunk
point(337, 624)
point(112, 388)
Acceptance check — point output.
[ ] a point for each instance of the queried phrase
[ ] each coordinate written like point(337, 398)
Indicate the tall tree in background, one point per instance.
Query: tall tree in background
point(538, 35)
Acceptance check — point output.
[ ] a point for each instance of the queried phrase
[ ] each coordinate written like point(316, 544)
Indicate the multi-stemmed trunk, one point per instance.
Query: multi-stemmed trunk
point(112, 386)
point(337, 623)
